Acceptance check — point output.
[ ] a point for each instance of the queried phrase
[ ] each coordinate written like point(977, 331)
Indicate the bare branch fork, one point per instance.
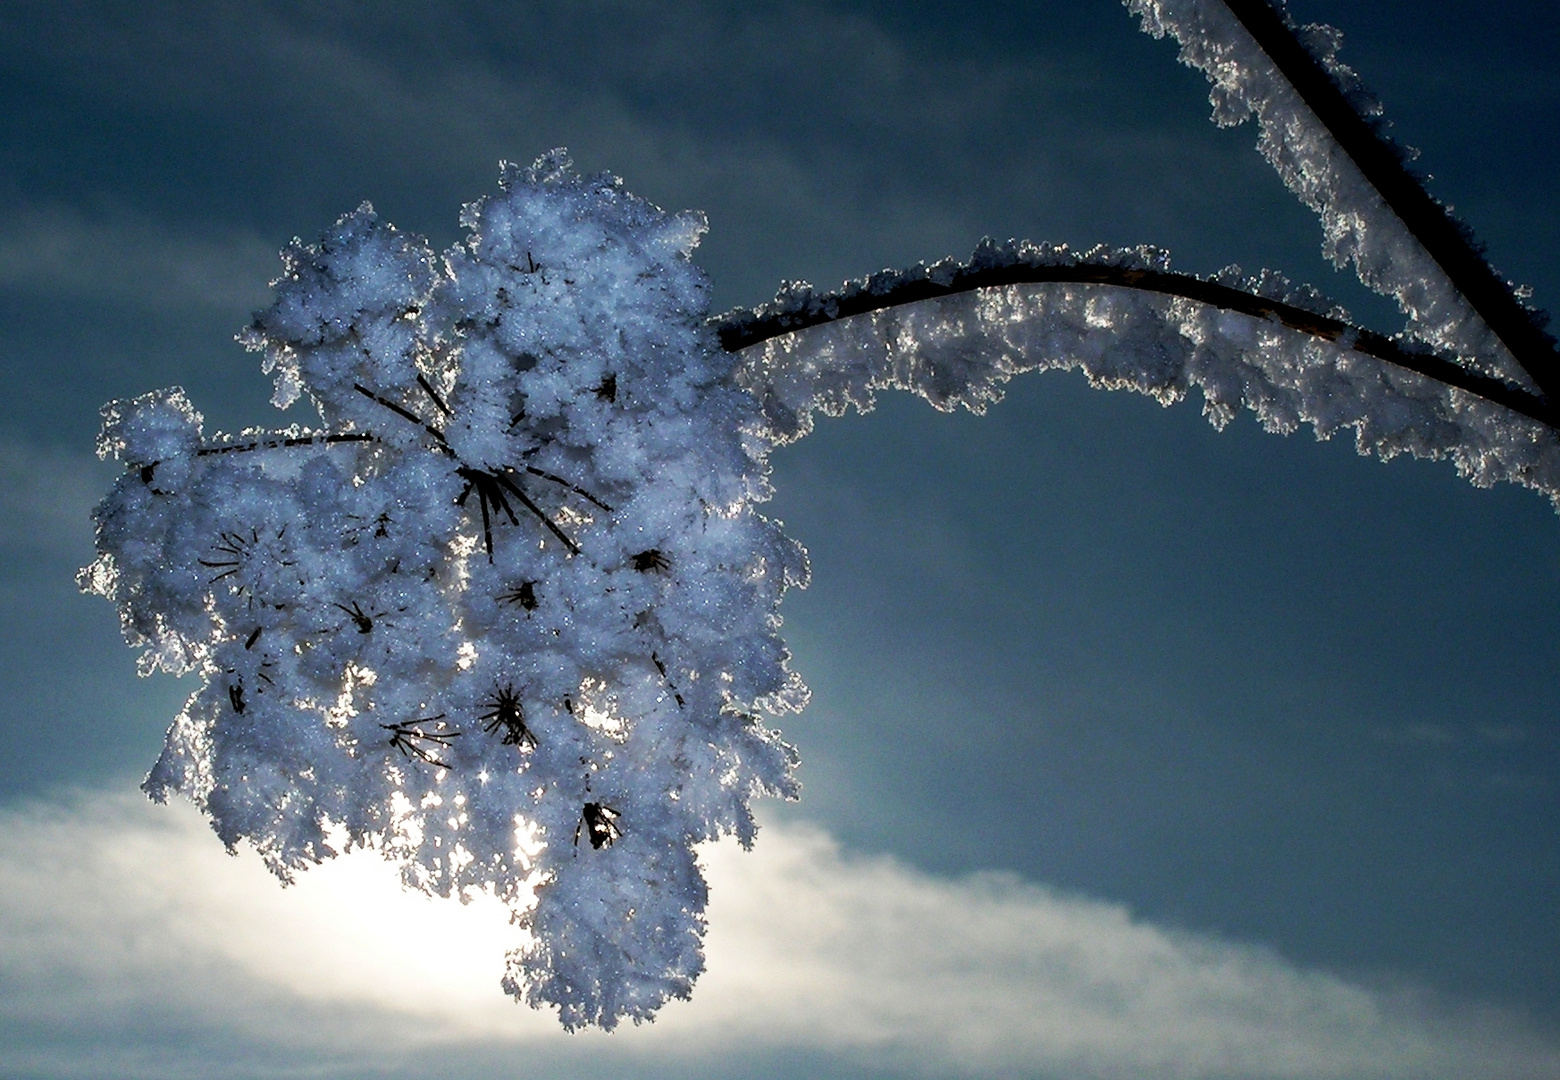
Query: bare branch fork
point(489, 484)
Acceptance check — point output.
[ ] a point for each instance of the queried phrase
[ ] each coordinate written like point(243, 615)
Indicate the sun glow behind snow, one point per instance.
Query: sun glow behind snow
point(111, 900)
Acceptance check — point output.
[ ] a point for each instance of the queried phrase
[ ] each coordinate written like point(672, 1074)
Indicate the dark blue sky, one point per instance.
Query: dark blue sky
point(1254, 688)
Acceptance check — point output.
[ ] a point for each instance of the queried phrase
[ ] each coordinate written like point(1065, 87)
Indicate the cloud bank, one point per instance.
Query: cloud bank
point(131, 945)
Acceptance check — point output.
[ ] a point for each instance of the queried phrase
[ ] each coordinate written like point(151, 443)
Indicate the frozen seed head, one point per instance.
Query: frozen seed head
point(527, 408)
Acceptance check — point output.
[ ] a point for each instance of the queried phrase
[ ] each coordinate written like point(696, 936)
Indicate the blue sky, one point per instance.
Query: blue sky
point(1134, 749)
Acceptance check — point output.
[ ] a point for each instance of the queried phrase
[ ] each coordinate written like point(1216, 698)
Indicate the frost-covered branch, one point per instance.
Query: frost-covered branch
point(999, 266)
point(959, 346)
point(1360, 222)
point(1445, 239)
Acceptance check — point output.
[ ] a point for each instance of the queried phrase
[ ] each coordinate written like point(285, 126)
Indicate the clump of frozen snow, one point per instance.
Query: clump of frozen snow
point(509, 614)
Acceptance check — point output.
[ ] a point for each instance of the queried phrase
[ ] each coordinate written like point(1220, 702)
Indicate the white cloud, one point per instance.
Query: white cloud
point(131, 945)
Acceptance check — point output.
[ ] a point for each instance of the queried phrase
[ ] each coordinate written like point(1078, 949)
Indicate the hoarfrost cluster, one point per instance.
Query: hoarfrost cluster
point(508, 613)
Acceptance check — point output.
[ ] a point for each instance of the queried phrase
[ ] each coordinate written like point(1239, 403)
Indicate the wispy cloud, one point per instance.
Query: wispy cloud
point(59, 250)
point(823, 141)
point(131, 945)
point(46, 499)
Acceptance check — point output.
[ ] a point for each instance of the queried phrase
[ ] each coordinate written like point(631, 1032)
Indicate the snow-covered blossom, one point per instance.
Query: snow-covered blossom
point(508, 615)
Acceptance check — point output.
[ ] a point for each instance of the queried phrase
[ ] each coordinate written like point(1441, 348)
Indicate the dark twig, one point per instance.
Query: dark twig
point(238, 548)
point(490, 485)
point(525, 596)
point(651, 561)
point(505, 712)
point(572, 487)
point(149, 470)
point(404, 413)
point(660, 665)
point(294, 440)
point(232, 544)
point(407, 737)
point(363, 620)
point(531, 506)
point(432, 393)
point(599, 821)
point(472, 483)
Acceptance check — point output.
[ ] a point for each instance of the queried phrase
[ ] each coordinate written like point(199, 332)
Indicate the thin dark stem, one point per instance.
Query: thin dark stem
point(531, 506)
point(490, 487)
point(496, 494)
point(429, 390)
point(1447, 242)
point(572, 487)
point(405, 737)
point(742, 329)
point(273, 444)
point(487, 526)
point(406, 413)
point(489, 484)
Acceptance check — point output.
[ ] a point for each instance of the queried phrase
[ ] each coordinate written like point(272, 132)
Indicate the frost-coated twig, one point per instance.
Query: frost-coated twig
point(1339, 162)
point(581, 492)
point(409, 737)
point(405, 413)
point(286, 441)
point(489, 483)
point(742, 329)
point(1446, 240)
point(953, 334)
point(503, 479)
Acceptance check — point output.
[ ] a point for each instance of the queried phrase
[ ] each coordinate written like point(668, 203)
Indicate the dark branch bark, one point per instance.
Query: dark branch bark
point(1447, 241)
point(741, 329)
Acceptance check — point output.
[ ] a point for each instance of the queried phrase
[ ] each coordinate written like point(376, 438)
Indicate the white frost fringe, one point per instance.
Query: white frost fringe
point(1357, 225)
point(960, 350)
